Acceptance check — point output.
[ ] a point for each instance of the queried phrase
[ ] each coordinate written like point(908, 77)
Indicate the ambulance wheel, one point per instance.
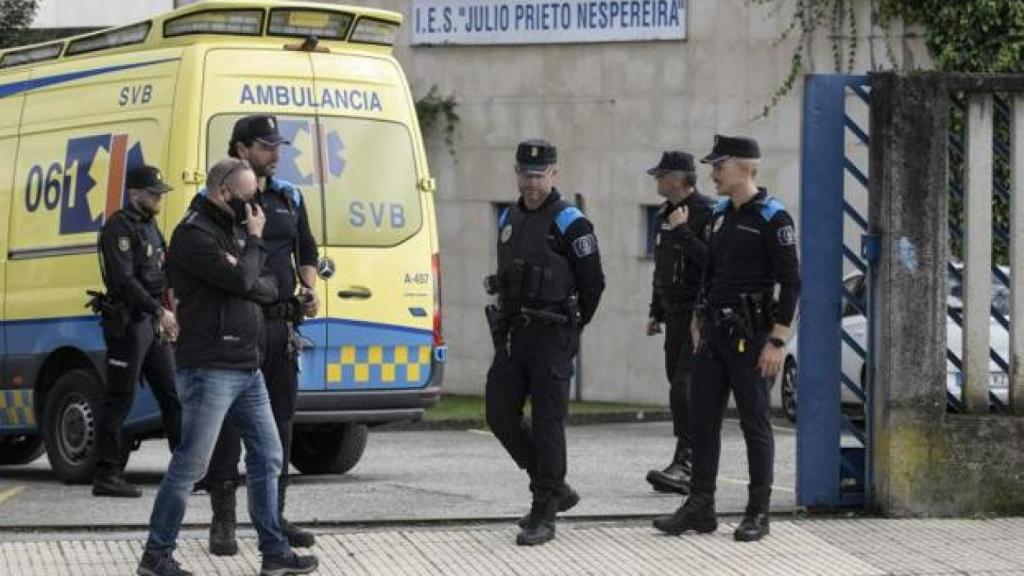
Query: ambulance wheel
point(16, 450)
point(70, 425)
point(331, 450)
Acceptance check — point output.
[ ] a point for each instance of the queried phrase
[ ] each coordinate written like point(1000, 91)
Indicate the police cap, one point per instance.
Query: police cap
point(673, 161)
point(535, 155)
point(732, 147)
point(146, 178)
point(262, 127)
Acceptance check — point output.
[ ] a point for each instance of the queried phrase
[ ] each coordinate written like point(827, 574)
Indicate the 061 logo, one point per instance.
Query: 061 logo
point(88, 185)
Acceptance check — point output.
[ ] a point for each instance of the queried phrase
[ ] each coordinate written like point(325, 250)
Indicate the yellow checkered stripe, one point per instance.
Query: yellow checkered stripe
point(16, 408)
point(380, 365)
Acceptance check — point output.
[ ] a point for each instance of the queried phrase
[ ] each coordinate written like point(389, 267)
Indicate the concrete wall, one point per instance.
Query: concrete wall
point(925, 462)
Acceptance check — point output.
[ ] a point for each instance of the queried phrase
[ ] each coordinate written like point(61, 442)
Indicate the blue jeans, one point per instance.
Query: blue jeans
point(208, 398)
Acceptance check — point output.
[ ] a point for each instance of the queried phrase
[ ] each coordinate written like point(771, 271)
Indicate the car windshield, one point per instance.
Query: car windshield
point(1000, 293)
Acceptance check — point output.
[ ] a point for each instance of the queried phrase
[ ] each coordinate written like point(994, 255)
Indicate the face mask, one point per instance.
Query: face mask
point(240, 208)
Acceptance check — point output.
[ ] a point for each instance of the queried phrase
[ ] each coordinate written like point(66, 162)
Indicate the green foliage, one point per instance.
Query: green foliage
point(961, 35)
point(435, 111)
point(966, 35)
point(15, 17)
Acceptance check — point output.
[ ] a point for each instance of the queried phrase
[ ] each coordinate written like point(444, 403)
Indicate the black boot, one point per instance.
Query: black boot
point(567, 498)
point(755, 520)
point(541, 526)
point(297, 537)
point(676, 477)
point(111, 483)
point(222, 527)
point(697, 514)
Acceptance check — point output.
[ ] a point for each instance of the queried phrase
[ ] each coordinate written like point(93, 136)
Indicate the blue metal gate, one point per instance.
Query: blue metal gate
point(831, 446)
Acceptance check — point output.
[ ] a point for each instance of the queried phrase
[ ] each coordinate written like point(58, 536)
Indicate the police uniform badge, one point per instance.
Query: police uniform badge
point(534, 151)
point(787, 236)
point(506, 233)
point(584, 246)
point(124, 243)
point(149, 250)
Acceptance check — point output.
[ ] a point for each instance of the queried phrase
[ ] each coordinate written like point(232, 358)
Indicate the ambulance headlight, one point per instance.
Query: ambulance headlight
point(242, 22)
point(326, 25)
point(370, 31)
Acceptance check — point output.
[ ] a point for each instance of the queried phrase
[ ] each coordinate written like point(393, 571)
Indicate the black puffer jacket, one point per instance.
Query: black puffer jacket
point(214, 267)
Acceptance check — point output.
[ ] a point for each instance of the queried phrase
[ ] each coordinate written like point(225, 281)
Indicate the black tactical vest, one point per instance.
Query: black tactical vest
point(530, 272)
point(148, 254)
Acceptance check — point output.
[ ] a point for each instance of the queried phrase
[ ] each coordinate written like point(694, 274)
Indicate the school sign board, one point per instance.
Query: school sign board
point(467, 22)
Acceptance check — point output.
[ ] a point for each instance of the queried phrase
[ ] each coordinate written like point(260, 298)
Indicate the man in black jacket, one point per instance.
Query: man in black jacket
point(137, 328)
point(215, 269)
point(679, 256)
point(288, 241)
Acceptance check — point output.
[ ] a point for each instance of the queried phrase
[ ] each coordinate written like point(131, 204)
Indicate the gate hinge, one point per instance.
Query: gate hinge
point(870, 248)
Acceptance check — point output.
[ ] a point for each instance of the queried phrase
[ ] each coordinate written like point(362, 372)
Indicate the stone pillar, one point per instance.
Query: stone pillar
point(926, 462)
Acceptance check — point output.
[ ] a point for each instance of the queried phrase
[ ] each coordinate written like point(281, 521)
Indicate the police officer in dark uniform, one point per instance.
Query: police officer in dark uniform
point(679, 256)
point(137, 327)
point(549, 283)
point(291, 264)
point(742, 335)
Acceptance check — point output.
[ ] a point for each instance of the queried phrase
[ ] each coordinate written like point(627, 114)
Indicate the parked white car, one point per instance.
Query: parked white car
point(855, 324)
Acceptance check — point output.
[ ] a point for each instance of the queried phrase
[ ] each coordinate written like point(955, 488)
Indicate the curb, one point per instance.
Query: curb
point(624, 417)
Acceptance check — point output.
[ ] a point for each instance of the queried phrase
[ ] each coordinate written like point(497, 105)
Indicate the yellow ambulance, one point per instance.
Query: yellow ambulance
point(76, 113)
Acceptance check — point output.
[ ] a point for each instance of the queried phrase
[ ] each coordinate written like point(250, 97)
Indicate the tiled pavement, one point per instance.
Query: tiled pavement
point(826, 546)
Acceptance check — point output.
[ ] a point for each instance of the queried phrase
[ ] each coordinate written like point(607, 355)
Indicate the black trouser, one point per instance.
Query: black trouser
point(138, 352)
point(540, 366)
point(721, 366)
point(280, 371)
point(679, 370)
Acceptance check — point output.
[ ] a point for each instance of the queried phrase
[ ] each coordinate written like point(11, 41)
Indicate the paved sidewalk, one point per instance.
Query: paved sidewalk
point(833, 547)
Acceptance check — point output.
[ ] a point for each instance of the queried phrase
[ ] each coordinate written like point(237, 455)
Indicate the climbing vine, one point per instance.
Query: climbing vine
point(438, 112)
point(961, 35)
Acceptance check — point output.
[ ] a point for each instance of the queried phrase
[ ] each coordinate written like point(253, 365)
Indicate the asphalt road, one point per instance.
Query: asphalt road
point(417, 476)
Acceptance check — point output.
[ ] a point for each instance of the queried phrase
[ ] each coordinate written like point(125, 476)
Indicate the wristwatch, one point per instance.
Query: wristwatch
point(777, 342)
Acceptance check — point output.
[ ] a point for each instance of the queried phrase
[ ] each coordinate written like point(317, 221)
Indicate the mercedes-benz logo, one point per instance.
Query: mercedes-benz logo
point(325, 268)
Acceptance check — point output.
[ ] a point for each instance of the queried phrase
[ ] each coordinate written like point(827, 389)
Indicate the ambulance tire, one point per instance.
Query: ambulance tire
point(70, 425)
point(17, 450)
point(331, 450)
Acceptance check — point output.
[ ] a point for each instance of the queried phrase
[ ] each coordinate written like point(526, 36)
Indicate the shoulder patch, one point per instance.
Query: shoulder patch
point(770, 207)
point(585, 245)
point(503, 217)
point(290, 189)
point(566, 217)
point(721, 206)
point(787, 235)
point(124, 243)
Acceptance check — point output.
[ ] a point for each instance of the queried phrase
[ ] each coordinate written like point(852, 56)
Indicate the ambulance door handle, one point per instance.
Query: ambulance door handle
point(355, 293)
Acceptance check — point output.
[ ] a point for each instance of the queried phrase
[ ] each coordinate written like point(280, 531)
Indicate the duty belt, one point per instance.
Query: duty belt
point(279, 311)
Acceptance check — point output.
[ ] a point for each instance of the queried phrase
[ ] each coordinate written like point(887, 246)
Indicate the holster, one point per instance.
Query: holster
point(499, 326)
point(294, 347)
point(115, 316)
